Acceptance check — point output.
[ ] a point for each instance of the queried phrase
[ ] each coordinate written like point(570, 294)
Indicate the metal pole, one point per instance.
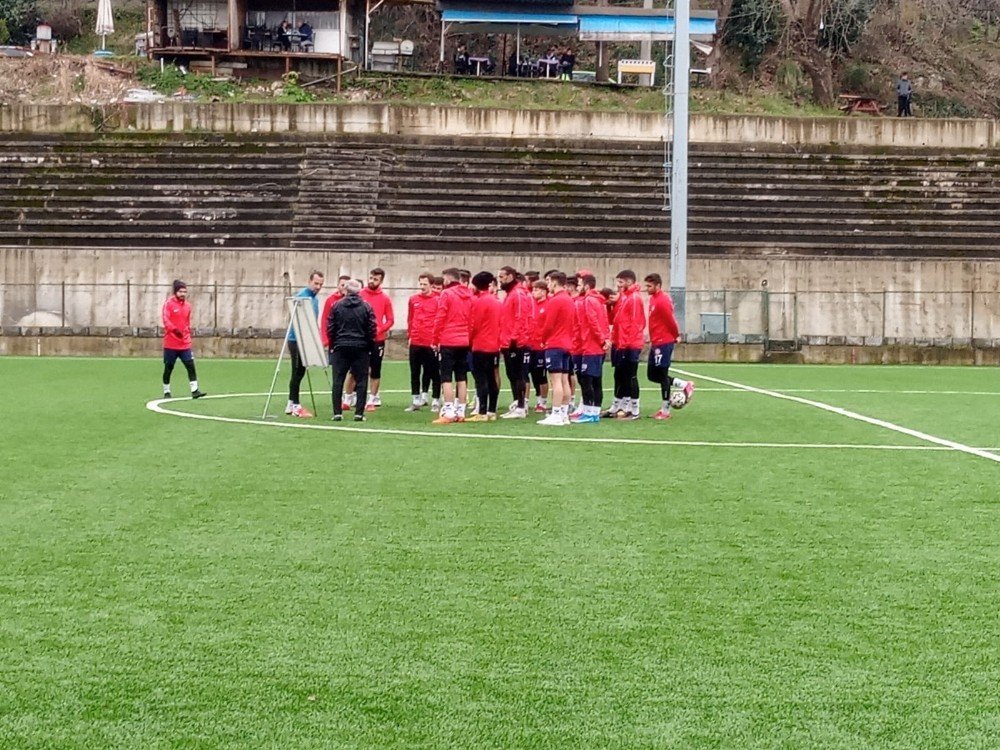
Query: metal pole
point(277, 366)
point(128, 303)
point(215, 305)
point(64, 304)
point(679, 164)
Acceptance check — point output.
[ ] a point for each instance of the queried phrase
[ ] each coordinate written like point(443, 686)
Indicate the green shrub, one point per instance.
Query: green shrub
point(789, 77)
point(858, 79)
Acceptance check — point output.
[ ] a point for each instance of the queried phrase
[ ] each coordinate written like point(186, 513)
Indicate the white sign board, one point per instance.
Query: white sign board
point(306, 329)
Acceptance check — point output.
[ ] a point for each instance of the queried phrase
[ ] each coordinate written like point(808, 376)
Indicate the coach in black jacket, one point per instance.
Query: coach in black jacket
point(351, 328)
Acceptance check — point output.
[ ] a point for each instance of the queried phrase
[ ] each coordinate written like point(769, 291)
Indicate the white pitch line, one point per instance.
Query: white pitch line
point(851, 415)
point(156, 405)
point(885, 391)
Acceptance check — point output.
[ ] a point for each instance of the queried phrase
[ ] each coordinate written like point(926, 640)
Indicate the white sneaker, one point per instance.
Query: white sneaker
point(288, 409)
point(423, 400)
point(436, 405)
point(351, 399)
point(553, 420)
point(515, 413)
point(376, 400)
point(415, 406)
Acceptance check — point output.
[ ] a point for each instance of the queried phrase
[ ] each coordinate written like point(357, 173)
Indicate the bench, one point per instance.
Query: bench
point(852, 103)
point(639, 67)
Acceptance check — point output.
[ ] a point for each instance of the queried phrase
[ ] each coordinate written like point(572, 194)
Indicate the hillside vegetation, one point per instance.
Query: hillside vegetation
point(773, 57)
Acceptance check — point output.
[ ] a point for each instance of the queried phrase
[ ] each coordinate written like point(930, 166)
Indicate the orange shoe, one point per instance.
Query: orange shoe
point(661, 415)
point(443, 419)
point(302, 412)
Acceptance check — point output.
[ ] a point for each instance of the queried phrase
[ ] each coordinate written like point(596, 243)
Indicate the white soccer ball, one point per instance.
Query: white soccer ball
point(678, 400)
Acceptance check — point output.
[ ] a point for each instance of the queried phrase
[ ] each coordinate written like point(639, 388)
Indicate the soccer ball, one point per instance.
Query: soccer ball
point(678, 400)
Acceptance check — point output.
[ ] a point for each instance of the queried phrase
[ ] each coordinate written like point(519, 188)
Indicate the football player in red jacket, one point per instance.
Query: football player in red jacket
point(663, 334)
point(627, 338)
point(421, 310)
point(176, 317)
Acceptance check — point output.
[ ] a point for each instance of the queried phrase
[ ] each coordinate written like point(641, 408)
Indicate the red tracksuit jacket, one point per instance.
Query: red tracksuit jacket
point(176, 316)
point(382, 306)
point(451, 323)
point(516, 321)
point(630, 320)
point(420, 313)
point(662, 323)
point(592, 323)
point(558, 320)
point(484, 323)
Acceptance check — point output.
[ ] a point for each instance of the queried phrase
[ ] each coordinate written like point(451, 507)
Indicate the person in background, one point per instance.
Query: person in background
point(462, 60)
point(904, 92)
point(351, 331)
point(283, 31)
point(176, 316)
point(420, 315)
point(567, 61)
point(305, 34)
point(308, 292)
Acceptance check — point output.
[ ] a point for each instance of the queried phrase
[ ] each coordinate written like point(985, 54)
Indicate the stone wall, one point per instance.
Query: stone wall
point(416, 122)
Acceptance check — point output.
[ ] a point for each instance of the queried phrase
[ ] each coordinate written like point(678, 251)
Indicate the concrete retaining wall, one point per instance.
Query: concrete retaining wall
point(860, 302)
point(415, 122)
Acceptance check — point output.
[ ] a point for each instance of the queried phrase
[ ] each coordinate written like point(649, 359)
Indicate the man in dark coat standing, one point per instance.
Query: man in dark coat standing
point(351, 329)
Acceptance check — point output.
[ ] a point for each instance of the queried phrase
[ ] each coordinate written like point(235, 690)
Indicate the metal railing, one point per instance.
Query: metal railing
point(726, 315)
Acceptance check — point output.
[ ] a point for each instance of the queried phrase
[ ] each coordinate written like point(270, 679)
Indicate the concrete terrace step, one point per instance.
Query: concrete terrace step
point(833, 237)
point(752, 248)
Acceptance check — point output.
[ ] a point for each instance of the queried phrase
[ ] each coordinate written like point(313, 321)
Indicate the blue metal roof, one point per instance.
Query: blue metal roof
point(659, 26)
point(511, 17)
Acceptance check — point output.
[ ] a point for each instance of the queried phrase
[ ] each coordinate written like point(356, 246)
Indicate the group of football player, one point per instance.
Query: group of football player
point(553, 332)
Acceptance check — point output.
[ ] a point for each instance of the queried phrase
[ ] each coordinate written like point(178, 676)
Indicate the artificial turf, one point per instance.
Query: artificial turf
point(180, 583)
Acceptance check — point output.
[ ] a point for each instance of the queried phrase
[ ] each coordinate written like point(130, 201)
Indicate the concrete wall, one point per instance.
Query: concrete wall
point(384, 119)
point(826, 301)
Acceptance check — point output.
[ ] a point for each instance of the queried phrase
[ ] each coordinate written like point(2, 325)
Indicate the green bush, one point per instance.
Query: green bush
point(940, 105)
point(18, 17)
point(789, 77)
point(858, 79)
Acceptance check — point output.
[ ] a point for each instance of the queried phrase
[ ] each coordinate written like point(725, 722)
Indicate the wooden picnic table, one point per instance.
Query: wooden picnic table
point(851, 103)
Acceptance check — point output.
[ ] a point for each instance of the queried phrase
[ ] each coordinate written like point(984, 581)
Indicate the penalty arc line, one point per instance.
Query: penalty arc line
point(156, 405)
point(955, 446)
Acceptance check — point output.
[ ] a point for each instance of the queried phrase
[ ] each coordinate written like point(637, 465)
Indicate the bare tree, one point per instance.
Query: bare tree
point(804, 22)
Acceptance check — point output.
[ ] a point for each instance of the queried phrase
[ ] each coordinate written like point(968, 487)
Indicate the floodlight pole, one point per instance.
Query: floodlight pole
point(679, 162)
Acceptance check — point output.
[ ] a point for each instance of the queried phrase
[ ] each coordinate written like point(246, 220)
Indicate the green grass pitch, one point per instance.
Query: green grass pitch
point(761, 574)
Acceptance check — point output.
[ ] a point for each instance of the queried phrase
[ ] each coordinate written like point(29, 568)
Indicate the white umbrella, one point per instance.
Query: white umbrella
point(105, 21)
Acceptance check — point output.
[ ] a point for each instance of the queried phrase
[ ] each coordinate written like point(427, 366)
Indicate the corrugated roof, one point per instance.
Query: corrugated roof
point(608, 27)
point(508, 17)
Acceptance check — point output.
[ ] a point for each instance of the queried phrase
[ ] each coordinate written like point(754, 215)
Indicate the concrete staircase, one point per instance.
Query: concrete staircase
point(147, 192)
point(441, 195)
point(338, 197)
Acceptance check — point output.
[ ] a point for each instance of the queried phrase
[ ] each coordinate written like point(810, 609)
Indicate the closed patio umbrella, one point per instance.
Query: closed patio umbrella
point(105, 21)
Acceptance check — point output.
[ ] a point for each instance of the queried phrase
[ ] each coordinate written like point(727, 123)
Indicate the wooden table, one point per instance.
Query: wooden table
point(851, 103)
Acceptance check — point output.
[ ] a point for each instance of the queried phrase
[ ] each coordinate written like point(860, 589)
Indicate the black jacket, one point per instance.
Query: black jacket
point(351, 324)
